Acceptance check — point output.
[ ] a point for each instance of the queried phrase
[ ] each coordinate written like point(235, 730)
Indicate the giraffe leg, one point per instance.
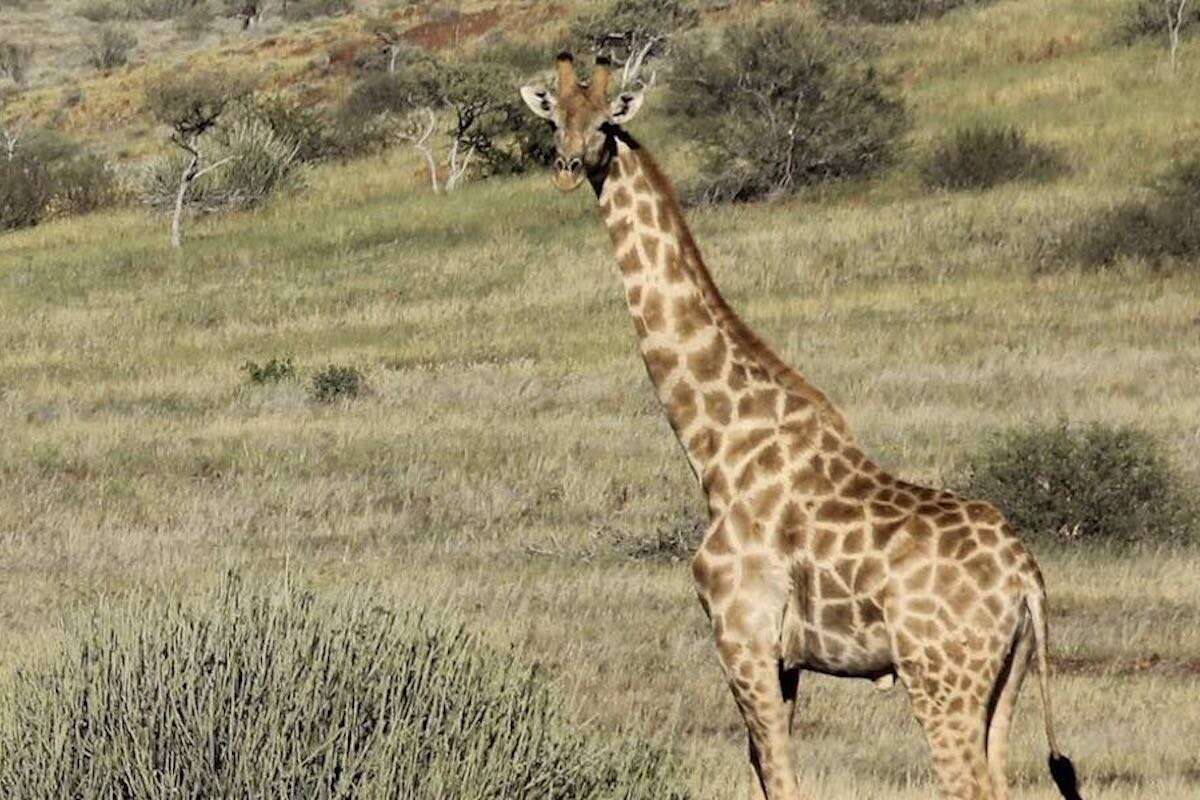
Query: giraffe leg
point(955, 723)
point(753, 673)
point(789, 680)
point(1007, 690)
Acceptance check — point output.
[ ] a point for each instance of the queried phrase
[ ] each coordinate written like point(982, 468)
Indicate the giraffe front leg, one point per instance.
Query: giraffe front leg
point(788, 683)
point(752, 671)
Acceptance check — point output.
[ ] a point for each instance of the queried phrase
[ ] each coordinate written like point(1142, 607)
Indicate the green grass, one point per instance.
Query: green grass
point(510, 448)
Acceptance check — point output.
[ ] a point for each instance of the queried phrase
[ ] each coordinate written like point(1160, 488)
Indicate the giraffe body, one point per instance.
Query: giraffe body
point(815, 558)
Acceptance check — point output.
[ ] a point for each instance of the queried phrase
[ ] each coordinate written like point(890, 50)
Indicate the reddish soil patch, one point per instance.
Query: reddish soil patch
point(436, 34)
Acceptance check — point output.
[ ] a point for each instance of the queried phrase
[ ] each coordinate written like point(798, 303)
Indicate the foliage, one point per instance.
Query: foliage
point(982, 156)
point(50, 174)
point(192, 103)
point(336, 382)
point(477, 101)
point(15, 60)
point(194, 23)
point(1160, 229)
point(274, 370)
point(1143, 19)
point(1092, 483)
point(111, 10)
point(890, 12)
point(305, 127)
point(624, 29)
point(297, 10)
point(259, 164)
point(110, 47)
point(783, 103)
point(25, 191)
point(284, 693)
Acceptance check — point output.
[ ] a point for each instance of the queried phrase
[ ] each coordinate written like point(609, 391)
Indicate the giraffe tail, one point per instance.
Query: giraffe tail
point(1062, 771)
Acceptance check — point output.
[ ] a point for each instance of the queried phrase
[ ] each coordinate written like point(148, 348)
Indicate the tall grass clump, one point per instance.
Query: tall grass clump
point(982, 156)
point(284, 693)
point(1093, 483)
point(780, 104)
point(1160, 229)
point(890, 12)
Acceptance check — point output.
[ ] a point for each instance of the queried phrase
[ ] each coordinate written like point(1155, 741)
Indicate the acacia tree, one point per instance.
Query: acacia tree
point(1176, 13)
point(191, 106)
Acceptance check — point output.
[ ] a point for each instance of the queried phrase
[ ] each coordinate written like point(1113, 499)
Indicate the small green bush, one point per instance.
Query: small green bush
point(890, 12)
point(274, 370)
point(278, 692)
point(1162, 229)
point(782, 103)
point(101, 10)
point(336, 382)
point(110, 47)
point(194, 23)
point(1093, 483)
point(983, 156)
point(1147, 18)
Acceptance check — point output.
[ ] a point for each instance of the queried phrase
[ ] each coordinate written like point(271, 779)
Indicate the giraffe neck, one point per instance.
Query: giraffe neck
point(705, 363)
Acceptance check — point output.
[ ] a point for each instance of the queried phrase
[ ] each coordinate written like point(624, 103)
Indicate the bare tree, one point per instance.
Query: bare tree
point(389, 37)
point(418, 129)
point(250, 12)
point(1175, 11)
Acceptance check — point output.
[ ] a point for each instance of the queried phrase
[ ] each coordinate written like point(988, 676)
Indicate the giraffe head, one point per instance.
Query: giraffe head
point(584, 120)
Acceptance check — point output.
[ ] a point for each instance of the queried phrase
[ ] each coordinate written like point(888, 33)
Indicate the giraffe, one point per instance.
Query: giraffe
point(814, 558)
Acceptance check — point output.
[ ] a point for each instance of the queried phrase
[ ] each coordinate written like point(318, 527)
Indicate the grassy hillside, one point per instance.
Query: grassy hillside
point(508, 457)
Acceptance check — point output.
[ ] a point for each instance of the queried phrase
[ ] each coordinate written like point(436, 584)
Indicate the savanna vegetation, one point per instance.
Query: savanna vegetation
point(431, 401)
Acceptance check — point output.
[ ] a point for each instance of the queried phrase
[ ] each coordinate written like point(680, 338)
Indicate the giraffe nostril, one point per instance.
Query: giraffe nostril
point(559, 164)
point(574, 165)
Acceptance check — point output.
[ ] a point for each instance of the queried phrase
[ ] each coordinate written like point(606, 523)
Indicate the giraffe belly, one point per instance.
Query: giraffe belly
point(843, 635)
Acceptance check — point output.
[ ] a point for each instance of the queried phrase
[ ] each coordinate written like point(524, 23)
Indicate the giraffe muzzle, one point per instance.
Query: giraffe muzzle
point(568, 173)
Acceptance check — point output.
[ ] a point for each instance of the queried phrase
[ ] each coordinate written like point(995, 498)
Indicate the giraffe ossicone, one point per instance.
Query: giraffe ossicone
point(815, 558)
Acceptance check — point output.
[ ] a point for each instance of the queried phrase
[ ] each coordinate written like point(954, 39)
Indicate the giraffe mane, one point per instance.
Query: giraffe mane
point(754, 348)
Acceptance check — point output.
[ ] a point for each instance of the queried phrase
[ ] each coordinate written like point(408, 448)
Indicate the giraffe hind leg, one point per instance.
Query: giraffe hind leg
point(955, 723)
point(1008, 689)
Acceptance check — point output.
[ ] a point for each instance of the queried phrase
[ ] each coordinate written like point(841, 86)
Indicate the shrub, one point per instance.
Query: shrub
point(110, 47)
point(51, 175)
point(25, 191)
point(1161, 229)
point(890, 12)
point(279, 692)
point(336, 382)
point(982, 156)
point(100, 10)
point(258, 165)
point(15, 60)
point(274, 370)
point(306, 128)
point(623, 29)
point(298, 10)
point(194, 23)
point(1147, 18)
point(1093, 483)
point(783, 103)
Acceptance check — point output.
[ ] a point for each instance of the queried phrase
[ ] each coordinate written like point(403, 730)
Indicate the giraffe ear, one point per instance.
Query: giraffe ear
point(625, 106)
point(540, 101)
